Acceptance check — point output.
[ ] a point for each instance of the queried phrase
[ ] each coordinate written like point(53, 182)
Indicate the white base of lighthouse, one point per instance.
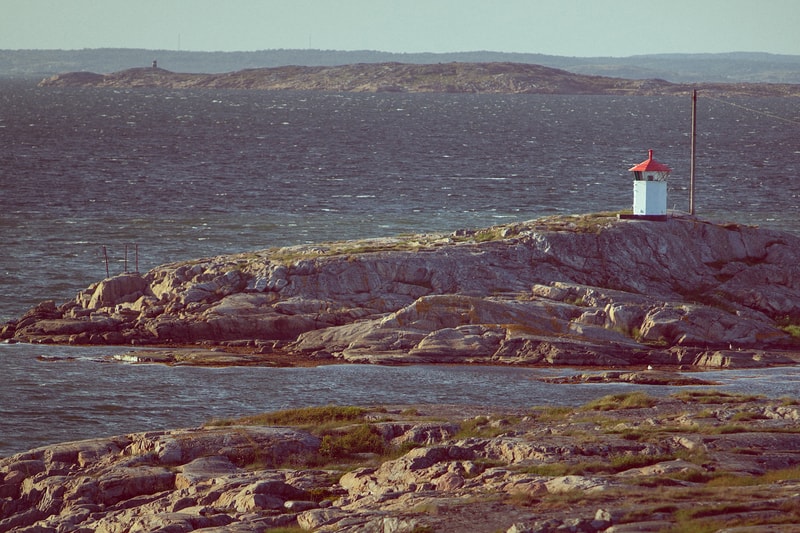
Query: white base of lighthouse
point(649, 198)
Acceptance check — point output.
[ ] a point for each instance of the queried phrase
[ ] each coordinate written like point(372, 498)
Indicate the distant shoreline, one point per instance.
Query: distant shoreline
point(732, 67)
point(456, 78)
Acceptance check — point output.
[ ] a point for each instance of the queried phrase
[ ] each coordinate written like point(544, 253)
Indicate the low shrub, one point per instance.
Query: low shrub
point(360, 439)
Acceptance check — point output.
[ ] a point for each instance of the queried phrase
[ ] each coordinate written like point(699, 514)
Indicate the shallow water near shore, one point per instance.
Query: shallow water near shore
point(78, 394)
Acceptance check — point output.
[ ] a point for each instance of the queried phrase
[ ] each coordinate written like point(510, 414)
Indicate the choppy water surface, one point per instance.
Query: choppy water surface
point(187, 174)
point(47, 402)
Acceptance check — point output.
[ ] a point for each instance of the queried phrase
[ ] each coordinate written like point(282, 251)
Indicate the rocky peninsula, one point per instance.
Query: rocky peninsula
point(595, 290)
point(454, 77)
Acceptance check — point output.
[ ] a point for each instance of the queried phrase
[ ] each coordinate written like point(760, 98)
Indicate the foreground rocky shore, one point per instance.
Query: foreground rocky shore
point(699, 460)
point(574, 290)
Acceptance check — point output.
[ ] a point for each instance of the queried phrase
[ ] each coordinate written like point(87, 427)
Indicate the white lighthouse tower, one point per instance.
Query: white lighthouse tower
point(650, 188)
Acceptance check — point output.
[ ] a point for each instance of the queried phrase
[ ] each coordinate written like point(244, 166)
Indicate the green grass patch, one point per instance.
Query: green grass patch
point(489, 234)
point(628, 400)
point(346, 436)
point(552, 414)
point(712, 518)
point(783, 474)
point(793, 330)
point(584, 223)
point(623, 462)
point(675, 479)
point(344, 445)
point(653, 434)
point(747, 416)
point(615, 465)
point(767, 478)
point(729, 429)
point(522, 499)
point(714, 396)
point(483, 427)
point(323, 416)
point(548, 469)
point(339, 448)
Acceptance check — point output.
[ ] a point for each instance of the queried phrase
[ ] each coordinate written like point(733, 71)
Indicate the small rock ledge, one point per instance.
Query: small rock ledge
point(581, 290)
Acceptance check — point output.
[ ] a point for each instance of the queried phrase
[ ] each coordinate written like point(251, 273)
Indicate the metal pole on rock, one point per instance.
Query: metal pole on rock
point(105, 256)
point(691, 167)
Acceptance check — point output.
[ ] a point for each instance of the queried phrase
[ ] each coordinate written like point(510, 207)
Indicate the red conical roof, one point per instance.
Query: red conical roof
point(651, 165)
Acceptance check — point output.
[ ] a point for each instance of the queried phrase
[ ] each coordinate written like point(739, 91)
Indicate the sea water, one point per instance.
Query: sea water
point(168, 175)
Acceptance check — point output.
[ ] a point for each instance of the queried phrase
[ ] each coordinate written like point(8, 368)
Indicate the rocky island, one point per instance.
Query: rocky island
point(499, 77)
point(594, 289)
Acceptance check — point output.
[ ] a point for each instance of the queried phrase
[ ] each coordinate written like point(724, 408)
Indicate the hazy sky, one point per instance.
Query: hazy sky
point(559, 27)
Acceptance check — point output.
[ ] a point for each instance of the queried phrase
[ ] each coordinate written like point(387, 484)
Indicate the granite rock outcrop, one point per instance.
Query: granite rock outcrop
point(576, 290)
point(624, 463)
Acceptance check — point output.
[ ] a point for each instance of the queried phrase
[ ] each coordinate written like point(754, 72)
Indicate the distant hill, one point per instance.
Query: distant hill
point(740, 67)
point(507, 78)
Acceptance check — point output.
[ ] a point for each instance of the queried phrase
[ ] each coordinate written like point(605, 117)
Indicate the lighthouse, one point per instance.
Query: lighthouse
point(650, 188)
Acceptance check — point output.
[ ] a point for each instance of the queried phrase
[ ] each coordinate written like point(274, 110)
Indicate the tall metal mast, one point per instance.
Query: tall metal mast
point(691, 167)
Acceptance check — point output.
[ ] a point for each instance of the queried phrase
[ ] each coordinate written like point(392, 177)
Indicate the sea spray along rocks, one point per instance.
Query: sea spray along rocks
point(587, 289)
point(628, 462)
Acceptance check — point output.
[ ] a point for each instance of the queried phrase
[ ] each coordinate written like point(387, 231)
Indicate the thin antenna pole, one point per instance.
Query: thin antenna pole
point(694, 144)
point(105, 256)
